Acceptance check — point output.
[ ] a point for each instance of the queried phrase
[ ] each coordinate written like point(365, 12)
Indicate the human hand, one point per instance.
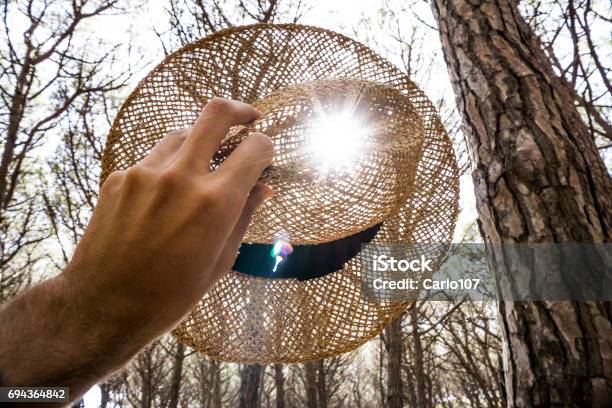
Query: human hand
point(165, 230)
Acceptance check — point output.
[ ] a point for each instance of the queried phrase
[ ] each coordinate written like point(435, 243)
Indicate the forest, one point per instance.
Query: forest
point(524, 91)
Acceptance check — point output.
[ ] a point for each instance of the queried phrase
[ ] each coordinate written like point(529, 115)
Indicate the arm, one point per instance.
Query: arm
point(163, 232)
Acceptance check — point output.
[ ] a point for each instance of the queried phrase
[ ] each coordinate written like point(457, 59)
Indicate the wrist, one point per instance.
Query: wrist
point(118, 312)
point(110, 318)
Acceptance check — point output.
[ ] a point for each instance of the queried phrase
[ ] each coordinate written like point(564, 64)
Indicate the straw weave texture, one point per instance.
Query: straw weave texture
point(315, 202)
point(406, 177)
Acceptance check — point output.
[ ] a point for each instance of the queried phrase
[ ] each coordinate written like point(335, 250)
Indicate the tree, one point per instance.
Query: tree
point(250, 386)
point(452, 350)
point(310, 370)
point(538, 178)
point(279, 385)
point(394, 340)
point(44, 72)
point(110, 388)
point(190, 20)
point(582, 70)
point(144, 380)
point(177, 375)
point(208, 383)
point(417, 351)
point(472, 349)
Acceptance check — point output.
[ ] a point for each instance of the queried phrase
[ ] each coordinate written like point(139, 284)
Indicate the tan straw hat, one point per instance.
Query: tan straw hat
point(361, 156)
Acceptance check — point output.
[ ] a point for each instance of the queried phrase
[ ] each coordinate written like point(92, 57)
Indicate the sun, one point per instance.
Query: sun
point(336, 141)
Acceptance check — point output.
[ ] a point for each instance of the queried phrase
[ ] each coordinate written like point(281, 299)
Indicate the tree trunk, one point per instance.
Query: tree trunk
point(217, 394)
point(16, 112)
point(395, 356)
point(311, 385)
point(417, 349)
point(321, 383)
point(408, 374)
point(382, 349)
point(78, 404)
point(146, 386)
point(177, 374)
point(249, 387)
point(538, 178)
point(279, 382)
point(105, 391)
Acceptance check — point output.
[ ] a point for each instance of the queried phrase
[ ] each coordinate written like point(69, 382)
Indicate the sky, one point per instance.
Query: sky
point(345, 16)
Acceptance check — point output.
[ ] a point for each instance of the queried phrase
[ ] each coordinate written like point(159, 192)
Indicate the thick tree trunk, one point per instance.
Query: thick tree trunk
point(177, 375)
point(279, 382)
point(249, 387)
point(395, 356)
point(538, 178)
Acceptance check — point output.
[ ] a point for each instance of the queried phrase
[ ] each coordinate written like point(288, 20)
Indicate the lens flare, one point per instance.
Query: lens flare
point(280, 251)
point(336, 141)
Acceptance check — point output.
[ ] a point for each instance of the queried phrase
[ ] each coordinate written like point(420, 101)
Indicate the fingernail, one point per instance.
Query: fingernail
point(266, 191)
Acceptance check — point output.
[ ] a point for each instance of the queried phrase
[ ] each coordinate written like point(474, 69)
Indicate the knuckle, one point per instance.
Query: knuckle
point(216, 194)
point(113, 180)
point(138, 174)
point(180, 134)
point(218, 106)
point(265, 146)
point(115, 177)
point(207, 199)
point(170, 177)
point(211, 193)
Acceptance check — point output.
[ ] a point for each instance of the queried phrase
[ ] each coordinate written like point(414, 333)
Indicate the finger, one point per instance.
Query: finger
point(165, 150)
point(259, 194)
point(246, 163)
point(217, 117)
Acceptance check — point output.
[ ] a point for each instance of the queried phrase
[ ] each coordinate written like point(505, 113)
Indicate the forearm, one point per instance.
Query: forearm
point(60, 334)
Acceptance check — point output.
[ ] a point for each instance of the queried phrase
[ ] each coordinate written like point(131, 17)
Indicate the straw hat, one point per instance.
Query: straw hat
point(361, 156)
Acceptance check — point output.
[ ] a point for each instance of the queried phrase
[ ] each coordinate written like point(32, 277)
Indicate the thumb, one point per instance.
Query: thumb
point(246, 163)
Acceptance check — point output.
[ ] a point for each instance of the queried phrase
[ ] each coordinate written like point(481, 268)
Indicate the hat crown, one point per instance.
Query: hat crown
point(346, 152)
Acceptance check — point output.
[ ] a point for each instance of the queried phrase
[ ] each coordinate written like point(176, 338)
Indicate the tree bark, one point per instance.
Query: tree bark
point(311, 385)
point(105, 392)
point(417, 349)
point(217, 393)
point(177, 374)
point(395, 356)
point(279, 382)
point(249, 387)
point(538, 178)
point(321, 383)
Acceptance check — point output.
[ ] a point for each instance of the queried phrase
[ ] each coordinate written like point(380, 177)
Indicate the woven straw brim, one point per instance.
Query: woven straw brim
point(256, 320)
